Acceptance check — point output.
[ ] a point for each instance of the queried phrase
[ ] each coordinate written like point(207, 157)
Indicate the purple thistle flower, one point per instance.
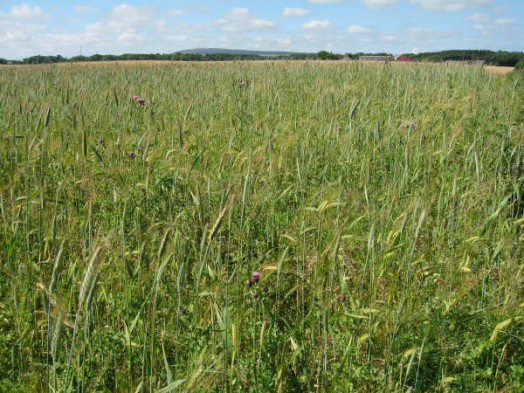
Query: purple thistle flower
point(402, 125)
point(248, 283)
point(141, 101)
point(413, 124)
point(256, 276)
point(135, 98)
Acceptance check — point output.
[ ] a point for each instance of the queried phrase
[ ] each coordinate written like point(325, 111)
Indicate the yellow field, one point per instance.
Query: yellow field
point(499, 70)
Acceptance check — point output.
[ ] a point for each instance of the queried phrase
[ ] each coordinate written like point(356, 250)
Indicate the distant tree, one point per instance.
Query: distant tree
point(325, 55)
point(79, 58)
point(499, 58)
point(39, 59)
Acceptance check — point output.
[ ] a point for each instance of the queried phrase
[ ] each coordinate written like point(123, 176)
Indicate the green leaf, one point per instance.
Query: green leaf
point(171, 386)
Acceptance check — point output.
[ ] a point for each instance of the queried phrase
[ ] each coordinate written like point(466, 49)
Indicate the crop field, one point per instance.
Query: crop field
point(499, 70)
point(319, 227)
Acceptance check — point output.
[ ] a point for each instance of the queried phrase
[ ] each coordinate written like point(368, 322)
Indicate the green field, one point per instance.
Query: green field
point(382, 206)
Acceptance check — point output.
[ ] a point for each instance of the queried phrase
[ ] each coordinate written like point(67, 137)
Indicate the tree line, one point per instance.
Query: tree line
point(497, 58)
point(322, 55)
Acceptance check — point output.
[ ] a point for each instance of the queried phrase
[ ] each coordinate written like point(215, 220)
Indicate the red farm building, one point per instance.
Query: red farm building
point(404, 58)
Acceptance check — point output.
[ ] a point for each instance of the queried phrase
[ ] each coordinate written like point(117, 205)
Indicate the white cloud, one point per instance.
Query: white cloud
point(287, 41)
point(323, 1)
point(225, 40)
point(379, 3)
point(450, 5)
point(95, 28)
point(481, 28)
point(436, 5)
point(317, 24)
point(260, 24)
point(131, 38)
point(390, 38)
point(238, 13)
point(161, 26)
point(13, 37)
point(288, 11)
point(175, 12)
point(356, 29)
point(504, 21)
point(241, 19)
point(477, 17)
point(482, 24)
point(125, 28)
point(426, 35)
point(125, 16)
point(25, 11)
point(177, 38)
point(84, 9)
point(93, 34)
point(16, 35)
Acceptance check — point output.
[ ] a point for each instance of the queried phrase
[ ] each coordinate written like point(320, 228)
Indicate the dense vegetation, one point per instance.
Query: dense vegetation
point(382, 207)
point(500, 58)
point(322, 55)
point(164, 57)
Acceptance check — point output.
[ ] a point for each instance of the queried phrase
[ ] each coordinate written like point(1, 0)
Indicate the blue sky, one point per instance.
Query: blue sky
point(397, 26)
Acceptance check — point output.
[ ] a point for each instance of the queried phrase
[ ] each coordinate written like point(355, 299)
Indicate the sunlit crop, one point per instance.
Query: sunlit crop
point(319, 226)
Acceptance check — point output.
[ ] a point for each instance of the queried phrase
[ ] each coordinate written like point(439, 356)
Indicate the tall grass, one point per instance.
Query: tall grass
point(382, 205)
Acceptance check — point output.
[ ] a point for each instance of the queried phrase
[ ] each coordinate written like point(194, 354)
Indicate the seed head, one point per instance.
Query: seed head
point(132, 155)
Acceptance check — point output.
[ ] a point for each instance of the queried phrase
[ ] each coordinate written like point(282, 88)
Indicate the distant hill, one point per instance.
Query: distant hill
point(238, 52)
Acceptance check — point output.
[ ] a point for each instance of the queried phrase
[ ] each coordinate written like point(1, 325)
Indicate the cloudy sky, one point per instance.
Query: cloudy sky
point(52, 27)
